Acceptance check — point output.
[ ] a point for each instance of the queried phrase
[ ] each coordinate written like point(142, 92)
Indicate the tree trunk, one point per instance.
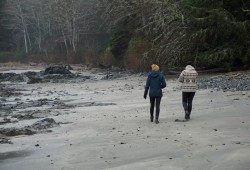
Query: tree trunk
point(65, 41)
point(25, 41)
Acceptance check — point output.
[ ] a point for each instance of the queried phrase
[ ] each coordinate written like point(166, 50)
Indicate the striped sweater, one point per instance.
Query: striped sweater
point(188, 79)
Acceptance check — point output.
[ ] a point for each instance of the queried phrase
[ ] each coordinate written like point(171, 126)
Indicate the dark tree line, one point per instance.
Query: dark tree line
point(213, 33)
point(127, 33)
point(220, 31)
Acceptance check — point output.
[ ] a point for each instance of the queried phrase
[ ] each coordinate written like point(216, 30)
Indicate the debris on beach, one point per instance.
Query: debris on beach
point(226, 82)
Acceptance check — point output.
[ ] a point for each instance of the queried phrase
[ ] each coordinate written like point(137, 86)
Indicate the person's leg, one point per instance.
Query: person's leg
point(190, 103)
point(152, 105)
point(158, 102)
point(185, 103)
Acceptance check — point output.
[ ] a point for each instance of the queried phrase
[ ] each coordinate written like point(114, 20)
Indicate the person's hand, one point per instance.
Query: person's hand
point(145, 97)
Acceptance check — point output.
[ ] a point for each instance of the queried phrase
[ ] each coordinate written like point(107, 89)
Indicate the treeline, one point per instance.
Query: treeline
point(127, 33)
point(52, 30)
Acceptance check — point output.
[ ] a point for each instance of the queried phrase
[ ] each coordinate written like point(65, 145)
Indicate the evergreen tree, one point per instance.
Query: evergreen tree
point(221, 32)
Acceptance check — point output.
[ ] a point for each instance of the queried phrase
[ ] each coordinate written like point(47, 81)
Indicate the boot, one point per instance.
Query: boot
point(156, 120)
point(151, 118)
point(187, 115)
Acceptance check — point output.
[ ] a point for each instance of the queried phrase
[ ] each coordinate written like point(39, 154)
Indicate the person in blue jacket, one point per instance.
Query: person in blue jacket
point(155, 83)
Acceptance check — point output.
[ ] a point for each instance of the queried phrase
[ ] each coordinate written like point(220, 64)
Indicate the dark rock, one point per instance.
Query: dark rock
point(11, 77)
point(85, 77)
point(44, 124)
point(56, 69)
point(24, 117)
point(102, 66)
point(31, 74)
point(4, 121)
point(16, 132)
point(41, 102)
point(34, 80)
point(7, 120)
point(5, 141)
point(68, 67)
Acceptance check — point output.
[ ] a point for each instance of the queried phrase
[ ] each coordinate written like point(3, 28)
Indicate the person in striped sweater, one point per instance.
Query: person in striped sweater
point(188, 80)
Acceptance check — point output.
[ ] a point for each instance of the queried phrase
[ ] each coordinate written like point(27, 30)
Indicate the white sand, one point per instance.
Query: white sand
point(120, 136)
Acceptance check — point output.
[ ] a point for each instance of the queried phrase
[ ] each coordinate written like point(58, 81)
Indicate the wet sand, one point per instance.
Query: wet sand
point(110, 129)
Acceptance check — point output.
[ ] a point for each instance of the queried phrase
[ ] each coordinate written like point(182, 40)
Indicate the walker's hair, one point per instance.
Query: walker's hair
point(155, 67)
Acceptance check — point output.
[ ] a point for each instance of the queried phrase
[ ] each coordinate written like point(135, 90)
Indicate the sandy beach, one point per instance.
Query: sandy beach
point(109, 128)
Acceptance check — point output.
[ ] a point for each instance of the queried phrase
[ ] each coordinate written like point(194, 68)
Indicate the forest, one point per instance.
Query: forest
point(130, 34)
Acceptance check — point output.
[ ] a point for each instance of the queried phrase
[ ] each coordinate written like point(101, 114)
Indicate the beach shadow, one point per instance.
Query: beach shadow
point(181, 120)
point(13, 154)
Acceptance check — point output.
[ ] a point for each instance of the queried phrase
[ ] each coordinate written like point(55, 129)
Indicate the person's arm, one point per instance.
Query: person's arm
point(181, 78)
point(146, 88)
point(163, 82)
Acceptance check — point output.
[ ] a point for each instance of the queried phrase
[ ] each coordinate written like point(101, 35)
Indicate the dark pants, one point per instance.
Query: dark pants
point(187, 99)
point(154, 100)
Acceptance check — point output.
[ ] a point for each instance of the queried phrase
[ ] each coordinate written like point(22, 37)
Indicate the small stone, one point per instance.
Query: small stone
point(48, 156)
point(36, 145)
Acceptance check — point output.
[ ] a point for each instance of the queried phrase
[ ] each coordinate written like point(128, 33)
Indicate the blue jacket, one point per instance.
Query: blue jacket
point(155, 83)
